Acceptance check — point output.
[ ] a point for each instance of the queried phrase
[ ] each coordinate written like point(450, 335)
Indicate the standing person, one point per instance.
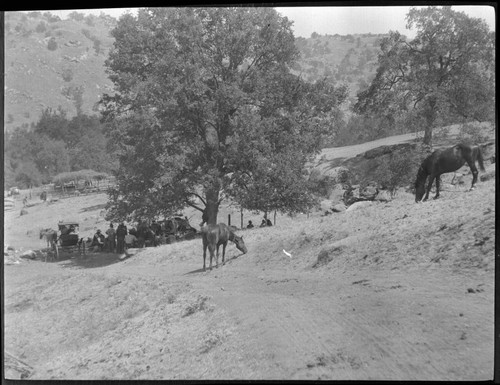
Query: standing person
point(121, 232)
point(111, 238)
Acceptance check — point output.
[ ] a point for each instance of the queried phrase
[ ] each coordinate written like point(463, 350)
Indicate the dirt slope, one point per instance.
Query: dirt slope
point(391, 291)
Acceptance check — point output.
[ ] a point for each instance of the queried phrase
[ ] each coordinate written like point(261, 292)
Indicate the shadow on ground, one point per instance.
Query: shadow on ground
point(90, 260)
point(228, 261)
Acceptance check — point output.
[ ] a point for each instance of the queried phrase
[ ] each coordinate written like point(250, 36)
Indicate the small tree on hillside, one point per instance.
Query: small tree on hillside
point(52, 44)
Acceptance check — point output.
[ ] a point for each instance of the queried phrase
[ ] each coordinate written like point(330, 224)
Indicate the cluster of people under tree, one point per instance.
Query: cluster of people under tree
point(116, 240)
point(265, 223)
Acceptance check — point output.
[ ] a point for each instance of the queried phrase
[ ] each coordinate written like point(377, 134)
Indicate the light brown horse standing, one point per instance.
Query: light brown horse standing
point(50, 237)
point(215, 235)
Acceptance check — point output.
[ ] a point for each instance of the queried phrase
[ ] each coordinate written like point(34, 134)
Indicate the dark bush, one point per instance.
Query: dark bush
point(52, 44)
point(397, 170)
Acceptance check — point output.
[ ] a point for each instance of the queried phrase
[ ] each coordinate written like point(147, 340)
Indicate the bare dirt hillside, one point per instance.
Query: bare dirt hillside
point(388, 291)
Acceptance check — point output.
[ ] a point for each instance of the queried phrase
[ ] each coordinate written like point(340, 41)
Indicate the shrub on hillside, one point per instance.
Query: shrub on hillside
point(397, 170)
point(471, 133)
point(41, 27)
point(67, 74)
point(52, 44)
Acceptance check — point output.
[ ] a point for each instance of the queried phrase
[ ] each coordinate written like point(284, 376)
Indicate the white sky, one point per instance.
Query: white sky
point(337, 20)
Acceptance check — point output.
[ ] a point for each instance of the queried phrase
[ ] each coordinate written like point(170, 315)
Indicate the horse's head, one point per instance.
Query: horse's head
point(43, 232)
point(420, 184)
point(240, 244)
point(419, 190)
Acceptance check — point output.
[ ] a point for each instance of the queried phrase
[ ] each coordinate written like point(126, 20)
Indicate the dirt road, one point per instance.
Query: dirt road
point(277, 323)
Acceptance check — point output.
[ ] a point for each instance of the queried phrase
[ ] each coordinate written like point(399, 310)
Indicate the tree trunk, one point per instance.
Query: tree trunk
point(212, 207)
point(430, 117)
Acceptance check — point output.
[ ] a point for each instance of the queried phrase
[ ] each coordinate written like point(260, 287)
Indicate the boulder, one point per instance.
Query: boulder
point(378, 151)
point(487, 176)
point(338, 175)
point(28, 254)
point(359, 205)
point(337, 194)
point(357, 193)
point(339, 208)
point(326, 205)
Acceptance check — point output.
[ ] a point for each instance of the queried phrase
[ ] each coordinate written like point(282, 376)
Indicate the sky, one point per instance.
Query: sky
point(337, 20)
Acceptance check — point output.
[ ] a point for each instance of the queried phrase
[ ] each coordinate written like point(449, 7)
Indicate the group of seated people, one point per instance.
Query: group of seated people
point(116, 240)
point(265, 223)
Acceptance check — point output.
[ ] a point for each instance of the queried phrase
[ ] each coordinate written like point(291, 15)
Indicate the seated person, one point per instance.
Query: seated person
point(269, 223)
point(98, 240)
point(263, 223)
point(64, 230)
point(250, 225)
point(130, 240)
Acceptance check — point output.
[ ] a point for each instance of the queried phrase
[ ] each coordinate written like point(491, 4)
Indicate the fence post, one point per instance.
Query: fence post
point(229, 219)
point(241, 213)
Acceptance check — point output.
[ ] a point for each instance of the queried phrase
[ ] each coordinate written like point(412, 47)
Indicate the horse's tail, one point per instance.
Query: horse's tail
point(480, 158)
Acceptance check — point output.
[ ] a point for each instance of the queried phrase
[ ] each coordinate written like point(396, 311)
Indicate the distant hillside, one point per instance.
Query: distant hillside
point(51, 62)
point(348, 59)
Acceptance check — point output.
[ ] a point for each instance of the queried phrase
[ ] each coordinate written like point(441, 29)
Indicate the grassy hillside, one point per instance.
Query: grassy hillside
point(393, 290)
point(348, 59)
point(48, 62)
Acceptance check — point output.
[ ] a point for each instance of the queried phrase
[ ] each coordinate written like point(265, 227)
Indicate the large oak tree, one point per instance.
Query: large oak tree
point(447, 70)
point(206, 108)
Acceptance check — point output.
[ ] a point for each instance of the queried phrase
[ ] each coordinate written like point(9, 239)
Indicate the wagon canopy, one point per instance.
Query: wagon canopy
point(68, 223)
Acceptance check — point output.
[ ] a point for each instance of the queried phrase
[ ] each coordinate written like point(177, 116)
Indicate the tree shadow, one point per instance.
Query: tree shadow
point(228, 260)
point(90, 260)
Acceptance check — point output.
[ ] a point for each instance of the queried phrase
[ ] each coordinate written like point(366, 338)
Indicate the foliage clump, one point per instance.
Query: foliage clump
point(207, 109)
point(52, 44)
point(396, 170)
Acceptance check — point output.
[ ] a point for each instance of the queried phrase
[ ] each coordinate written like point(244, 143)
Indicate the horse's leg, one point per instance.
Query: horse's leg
point(429, 186)
point(211, 249)
point(473, 168)
point(204, 256)
point(217, 258)
point(224, 253)
point(438, 181)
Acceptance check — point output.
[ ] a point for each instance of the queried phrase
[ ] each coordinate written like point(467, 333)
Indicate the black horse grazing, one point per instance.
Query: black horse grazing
point(215, 235)
point(443, 161)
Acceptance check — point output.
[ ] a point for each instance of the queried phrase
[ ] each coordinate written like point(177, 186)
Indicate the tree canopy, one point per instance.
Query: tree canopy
point(446, 70)
point(206, 108)
point(55, 144)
